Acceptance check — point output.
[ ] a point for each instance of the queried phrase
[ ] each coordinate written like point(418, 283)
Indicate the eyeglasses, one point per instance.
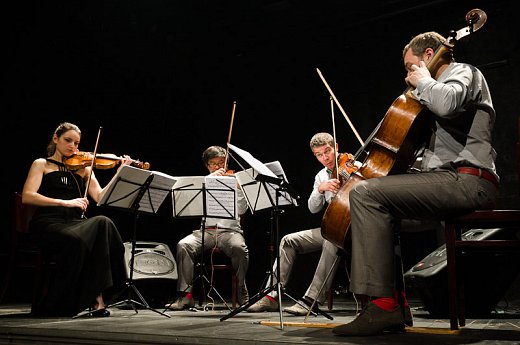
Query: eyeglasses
point(216, 164)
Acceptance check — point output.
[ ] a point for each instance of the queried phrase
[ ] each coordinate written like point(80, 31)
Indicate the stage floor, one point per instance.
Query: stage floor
point(200, 326)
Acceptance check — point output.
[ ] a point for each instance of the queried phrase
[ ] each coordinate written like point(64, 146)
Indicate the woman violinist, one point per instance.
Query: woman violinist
point(89, 253)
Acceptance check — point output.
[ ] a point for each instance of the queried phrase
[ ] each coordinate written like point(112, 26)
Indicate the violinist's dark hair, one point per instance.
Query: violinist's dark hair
point(62, 128)
point(212, 152)
point(421, 42)
point(321, 139)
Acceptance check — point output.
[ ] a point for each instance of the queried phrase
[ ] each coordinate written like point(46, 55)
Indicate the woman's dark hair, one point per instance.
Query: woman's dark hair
point(62, 128)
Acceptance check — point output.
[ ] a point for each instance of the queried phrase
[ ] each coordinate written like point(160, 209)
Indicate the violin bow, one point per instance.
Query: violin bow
point(334, 134)
point(340, 108)
point(92, 164)
point(229, 135)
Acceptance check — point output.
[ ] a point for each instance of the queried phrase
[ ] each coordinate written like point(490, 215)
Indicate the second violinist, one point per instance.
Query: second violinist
point(89, 253)
point(226, 234)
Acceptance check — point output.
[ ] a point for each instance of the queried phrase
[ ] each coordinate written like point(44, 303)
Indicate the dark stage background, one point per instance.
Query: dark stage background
point(161, 76)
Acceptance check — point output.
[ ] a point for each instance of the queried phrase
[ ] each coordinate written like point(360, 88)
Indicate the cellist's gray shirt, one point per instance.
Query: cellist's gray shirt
point(463, 121)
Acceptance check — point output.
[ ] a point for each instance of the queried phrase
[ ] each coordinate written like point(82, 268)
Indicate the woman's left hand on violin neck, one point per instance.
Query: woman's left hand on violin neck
point(126, 160)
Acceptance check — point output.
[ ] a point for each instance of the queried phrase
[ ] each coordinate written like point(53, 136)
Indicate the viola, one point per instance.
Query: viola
point(345, 167)
point(393, 146)
point(103, 161)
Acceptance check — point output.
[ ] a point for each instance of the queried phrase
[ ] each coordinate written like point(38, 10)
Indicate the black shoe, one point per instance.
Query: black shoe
point(103, 312)
point(373, 320)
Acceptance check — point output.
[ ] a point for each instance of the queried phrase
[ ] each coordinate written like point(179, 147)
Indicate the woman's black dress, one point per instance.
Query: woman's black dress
point(89, 253)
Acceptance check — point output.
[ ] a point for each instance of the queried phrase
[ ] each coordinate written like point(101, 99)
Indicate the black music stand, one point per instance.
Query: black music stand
point(192, 199)
point(127, 191)
point(270, 190)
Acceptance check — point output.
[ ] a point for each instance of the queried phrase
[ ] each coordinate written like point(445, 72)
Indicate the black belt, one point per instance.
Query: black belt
point(480, 173)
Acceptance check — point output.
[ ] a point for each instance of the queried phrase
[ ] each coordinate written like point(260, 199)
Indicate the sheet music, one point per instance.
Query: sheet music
point(188, 197)
point(157, 192)
point(221, 196)
point(285, 198)
point(259, 195)
point(258, 166)
point(125, 185)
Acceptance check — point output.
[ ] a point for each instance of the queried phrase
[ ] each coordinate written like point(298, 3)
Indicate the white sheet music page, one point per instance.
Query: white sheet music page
point(124, 186)
point(284, 198)
point(159, 189)
point(258, 166)
point(221, 196)
point(254, 192)
point(187, 197)
point(259, 195)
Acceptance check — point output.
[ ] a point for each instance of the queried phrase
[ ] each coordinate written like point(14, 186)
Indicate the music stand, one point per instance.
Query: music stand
point(203, 196)
point(127, 191)
point(271, 189)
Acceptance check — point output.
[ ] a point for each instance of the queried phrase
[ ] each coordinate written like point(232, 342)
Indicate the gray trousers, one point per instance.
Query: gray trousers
point(301, 242)
point(378, 204)
point(232, 243)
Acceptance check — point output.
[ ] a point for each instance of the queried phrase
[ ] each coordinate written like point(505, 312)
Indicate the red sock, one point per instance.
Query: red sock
point(189, 295)
point(270, 297)
point(385, 303)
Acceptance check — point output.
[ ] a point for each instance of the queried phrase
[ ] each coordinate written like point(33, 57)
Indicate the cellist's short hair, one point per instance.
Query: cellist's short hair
point(421, 42)
point(321, 139)
point(212, 152)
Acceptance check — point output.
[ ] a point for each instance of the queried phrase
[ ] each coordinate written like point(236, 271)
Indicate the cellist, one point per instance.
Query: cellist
point(458, 175)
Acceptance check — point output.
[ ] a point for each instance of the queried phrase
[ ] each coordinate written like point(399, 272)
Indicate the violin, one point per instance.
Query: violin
point(103, 161)
point(345, 167)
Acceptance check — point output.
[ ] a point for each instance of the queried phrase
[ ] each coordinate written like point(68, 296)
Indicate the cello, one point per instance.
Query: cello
point(394, 145)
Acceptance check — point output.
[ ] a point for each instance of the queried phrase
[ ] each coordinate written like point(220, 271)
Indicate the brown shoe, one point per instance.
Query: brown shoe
point(373, 320)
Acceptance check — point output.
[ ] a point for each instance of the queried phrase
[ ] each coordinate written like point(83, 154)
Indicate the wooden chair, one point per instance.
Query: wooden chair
point(454, 227)
point(455, 246)
point(218, 261)
point(26, 254)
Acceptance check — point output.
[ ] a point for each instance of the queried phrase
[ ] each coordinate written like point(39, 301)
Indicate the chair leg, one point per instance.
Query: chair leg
point(452, 275)
point(330, 297)
point(234, 289)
